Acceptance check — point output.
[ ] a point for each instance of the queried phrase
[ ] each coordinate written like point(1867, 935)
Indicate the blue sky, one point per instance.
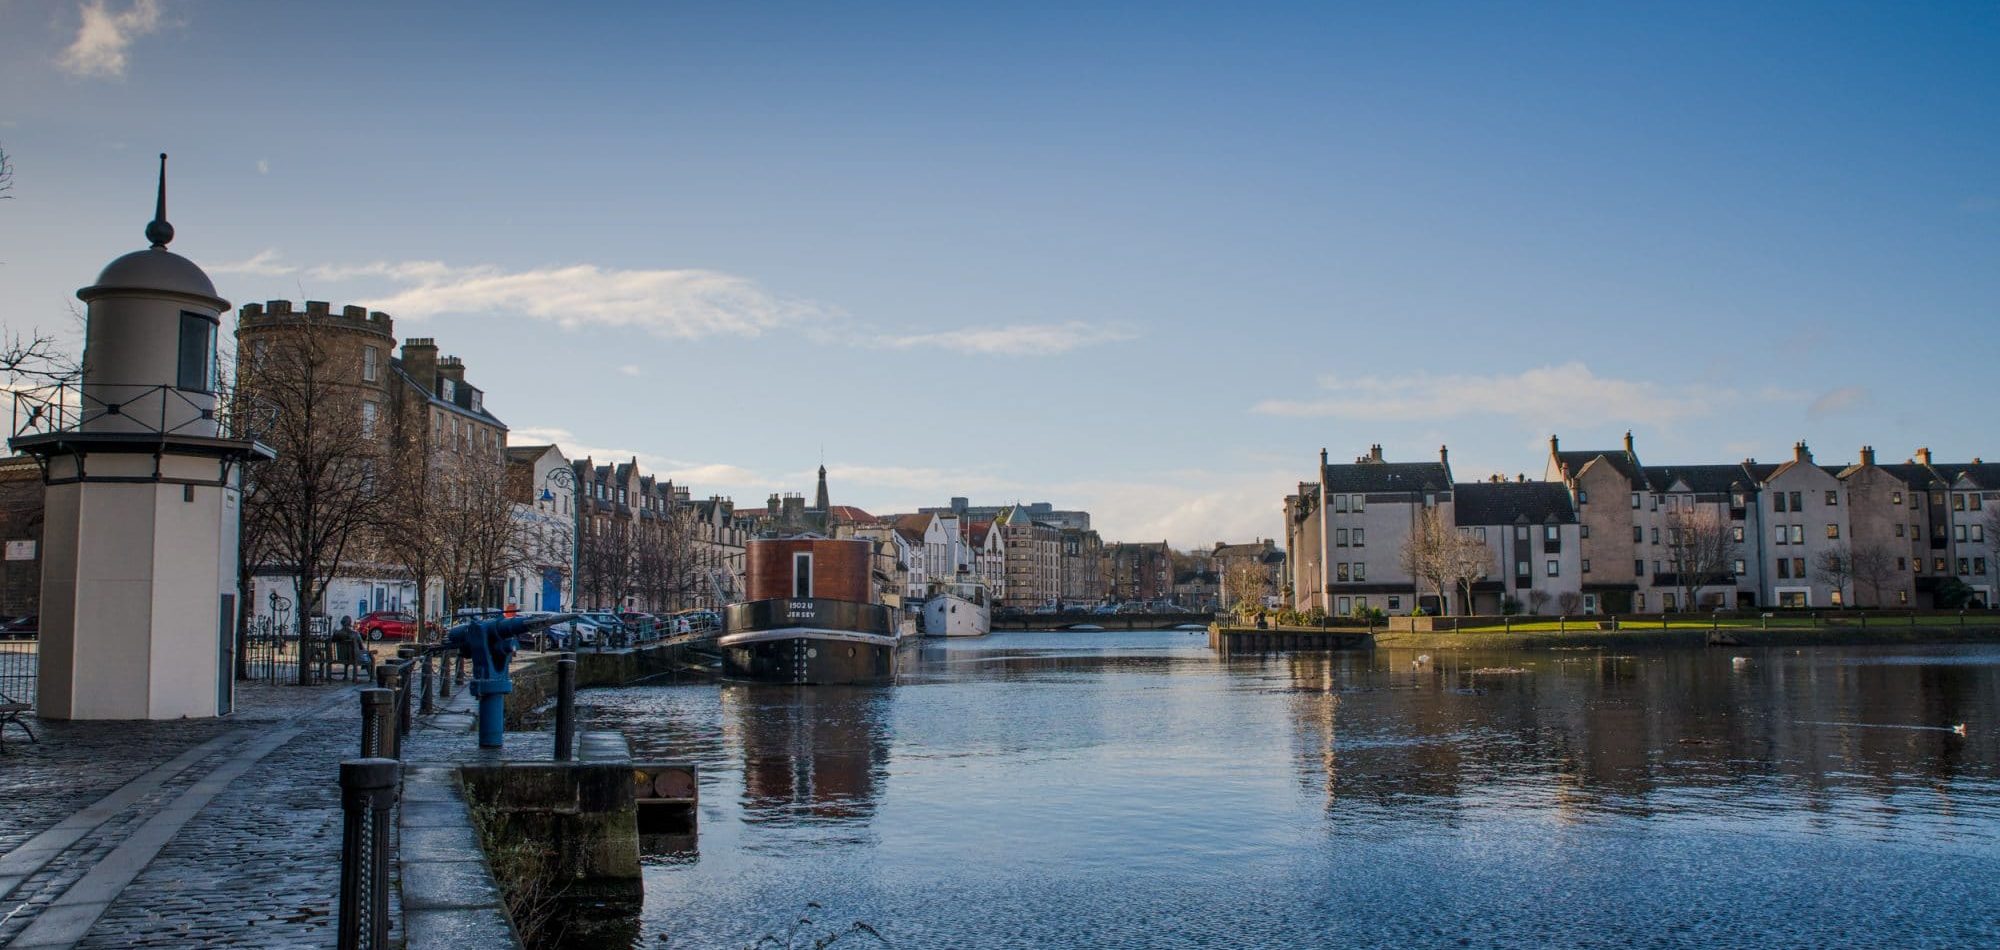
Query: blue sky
point(1140, 258)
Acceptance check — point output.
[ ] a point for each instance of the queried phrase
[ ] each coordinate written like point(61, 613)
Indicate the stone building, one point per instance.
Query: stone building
point(21, 533)
point(1346, 532)
point(1263, 554)
point(1139, 570)
point(1081, 564)
point(1533, 533)
point(1033, 552)
point(544, 502)
point(416, 403)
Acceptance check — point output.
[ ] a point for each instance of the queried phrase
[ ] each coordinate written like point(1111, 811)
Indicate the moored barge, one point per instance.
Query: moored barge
point(810, 616)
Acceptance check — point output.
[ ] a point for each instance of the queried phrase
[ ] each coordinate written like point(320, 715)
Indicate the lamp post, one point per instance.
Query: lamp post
point(566, 477)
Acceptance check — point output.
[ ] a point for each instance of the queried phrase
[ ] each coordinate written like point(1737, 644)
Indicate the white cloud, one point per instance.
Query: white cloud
point(1569, 394)
point(629, 370)
point(1027, 339)
point(1837, 401)
point(679, 304)
point(263, 166)
point(104, 36)
point(264, 263)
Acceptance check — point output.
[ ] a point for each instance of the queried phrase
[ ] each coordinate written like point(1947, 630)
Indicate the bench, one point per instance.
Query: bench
point(10, 712)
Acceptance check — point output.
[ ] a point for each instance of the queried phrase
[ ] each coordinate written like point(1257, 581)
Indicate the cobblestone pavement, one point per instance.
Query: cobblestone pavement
point(256, 862)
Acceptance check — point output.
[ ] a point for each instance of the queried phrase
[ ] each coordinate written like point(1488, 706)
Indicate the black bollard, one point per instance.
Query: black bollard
point(378, 724)
point(566, 707)
point(405, 703)
point(426, 691)
point(367, 790)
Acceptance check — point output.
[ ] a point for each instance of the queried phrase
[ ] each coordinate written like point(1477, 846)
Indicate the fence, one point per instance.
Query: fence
point(18, 660)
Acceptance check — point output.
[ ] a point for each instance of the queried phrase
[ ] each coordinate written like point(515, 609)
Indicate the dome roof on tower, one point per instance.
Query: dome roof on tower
point(153, 269)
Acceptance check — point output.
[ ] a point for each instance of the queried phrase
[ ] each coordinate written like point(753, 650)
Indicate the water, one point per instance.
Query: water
point(1135, 789)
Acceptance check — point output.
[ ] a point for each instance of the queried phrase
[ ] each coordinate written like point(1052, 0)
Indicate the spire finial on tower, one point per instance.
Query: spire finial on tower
point(158, 230)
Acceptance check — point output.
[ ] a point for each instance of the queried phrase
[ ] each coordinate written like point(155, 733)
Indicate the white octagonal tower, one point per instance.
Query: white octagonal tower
point(142, 507)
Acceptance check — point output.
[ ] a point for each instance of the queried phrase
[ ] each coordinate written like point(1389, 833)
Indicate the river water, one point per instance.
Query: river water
point(1137, 790)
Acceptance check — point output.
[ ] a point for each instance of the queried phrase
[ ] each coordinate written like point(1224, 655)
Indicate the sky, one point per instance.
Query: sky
point(1143, 259)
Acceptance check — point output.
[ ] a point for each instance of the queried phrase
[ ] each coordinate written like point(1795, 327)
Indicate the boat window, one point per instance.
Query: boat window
point(802, 575)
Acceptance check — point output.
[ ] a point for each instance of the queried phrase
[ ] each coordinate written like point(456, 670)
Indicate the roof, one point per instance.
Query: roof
point(1388, 477)
point(154, 269)
point(1621, 461)
point(1700, 479)
point(976, 532)
point(913, 527)
point(850, 514)
point(1488, 503)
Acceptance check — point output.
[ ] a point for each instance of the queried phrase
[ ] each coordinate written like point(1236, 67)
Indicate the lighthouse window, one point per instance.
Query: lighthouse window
point(197, 353)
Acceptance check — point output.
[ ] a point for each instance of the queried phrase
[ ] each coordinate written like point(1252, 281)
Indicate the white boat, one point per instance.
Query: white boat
point(958, 609)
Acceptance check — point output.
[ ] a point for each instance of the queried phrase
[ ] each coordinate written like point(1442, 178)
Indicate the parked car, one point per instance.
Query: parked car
point(27, 627)
point(386, 625)
point(571, 634)
point(697, 621)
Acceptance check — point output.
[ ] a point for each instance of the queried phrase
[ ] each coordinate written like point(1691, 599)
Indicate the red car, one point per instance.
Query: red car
point(387, 625)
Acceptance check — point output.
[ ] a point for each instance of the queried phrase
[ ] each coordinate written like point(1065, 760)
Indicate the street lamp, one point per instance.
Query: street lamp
point(566, 477)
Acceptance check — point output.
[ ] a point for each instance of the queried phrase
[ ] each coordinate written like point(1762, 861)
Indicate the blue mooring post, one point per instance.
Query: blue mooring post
point(490, 645)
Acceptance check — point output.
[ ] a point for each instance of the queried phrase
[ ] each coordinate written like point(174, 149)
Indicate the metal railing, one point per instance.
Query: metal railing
point(19, 674)
point(158, 409)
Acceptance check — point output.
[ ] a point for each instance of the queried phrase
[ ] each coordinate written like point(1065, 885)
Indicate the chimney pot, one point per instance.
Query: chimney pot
point(1924, 455)
point(1867, 455)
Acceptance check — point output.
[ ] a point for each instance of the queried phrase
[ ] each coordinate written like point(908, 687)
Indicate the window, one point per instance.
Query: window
point(1359, 503)
point(1778, 502)
point(1937, 565)
point(447, 389)
point(1656, 535)
point(1798, 505)
point(1972, 501)
point(1639, 603)
point(1359, 541)
point(196, 369)
point(1549, 533)
point(1361, 603)
point(1520, 532)
point(1638, 534)
point(1555, 568)
point(1902, 564)
point(1902, 597)
point(1360, 571)
point(1395, 602)
point(1916, 533)
point(1741, 567)
point(1340, 572)
point(1957, 502)
point(1521, 569)
point(1736, 500)
point(1340, 504)
point(1635, 499)
point(1899, 531)
point(1659, 567)
point(1958, 532)
point(1784, 569)
point(1583, 531)
point(1736, 534)
point(1798, 534)
point(1832, 498)
point(1340, 537)
point(1979, 565)
point(1798, 567)
point(370, 358)
point(1586, 565)
point(1480, 533)
point(1833, 531)
point(368, 411)
point(1656, 502)
point(1582, 497)
point(802, 574)
point(1638, 568)
point(1979, 532)
point(1964, 566)
point(1895, 498)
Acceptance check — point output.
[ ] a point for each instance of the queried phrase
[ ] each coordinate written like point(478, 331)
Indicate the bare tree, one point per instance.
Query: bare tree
point(1570, 603)
point(1538, 599)
point(480, 538)
point(1834, 567)
point(1245, 582)
point(1874, 568)
point(6, 174)
point(320, 495)
point(1424, 556)
point(608, 561)
point(1445, 557)
point(1704, 549)
point(410, 532)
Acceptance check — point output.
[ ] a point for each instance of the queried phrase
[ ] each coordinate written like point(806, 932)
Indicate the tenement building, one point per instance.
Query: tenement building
point(1604, 533)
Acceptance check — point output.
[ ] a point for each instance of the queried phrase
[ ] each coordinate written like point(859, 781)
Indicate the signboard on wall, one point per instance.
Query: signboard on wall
point(20, 550)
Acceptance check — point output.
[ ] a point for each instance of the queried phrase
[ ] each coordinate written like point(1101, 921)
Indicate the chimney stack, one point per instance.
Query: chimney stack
point(1322, 456)
point(1444, 457)
point(1867, 455)
point(1628, 441)
point(1554, 446)
point(1924, 455)
point(1375, 452)
point(420, 360)
point(1800, 453)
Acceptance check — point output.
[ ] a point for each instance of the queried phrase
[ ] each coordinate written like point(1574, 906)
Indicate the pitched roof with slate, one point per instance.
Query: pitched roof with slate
point(850, 514)
point(1489, 503)
point(1623, 462)
point(1388, 477)
point(1700, 479)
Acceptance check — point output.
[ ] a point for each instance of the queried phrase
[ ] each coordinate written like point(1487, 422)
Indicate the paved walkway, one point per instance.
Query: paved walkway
point(179, 834)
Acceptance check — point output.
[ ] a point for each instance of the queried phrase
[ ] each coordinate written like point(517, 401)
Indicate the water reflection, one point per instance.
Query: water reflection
point(808, 753)
point(1681, 734)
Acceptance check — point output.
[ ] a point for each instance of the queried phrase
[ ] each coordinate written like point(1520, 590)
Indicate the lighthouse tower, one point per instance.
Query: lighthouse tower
point(142, 502)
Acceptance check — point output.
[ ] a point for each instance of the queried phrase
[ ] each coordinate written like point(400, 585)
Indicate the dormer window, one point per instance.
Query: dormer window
point(477, 399)
point(448, 390)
